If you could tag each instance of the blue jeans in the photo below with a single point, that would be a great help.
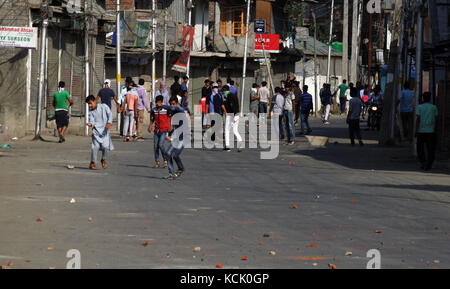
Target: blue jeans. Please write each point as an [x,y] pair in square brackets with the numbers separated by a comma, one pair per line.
[173,152]
[305,116]
[289,121]
[159,141]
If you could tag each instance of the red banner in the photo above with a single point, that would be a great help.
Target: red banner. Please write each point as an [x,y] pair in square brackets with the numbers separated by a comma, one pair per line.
[271,43]
[188,37]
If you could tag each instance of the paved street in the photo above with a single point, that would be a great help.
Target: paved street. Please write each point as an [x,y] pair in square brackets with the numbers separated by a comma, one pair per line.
[311,206]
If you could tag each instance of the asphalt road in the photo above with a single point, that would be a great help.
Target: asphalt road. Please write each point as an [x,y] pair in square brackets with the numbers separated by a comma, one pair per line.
[310,207]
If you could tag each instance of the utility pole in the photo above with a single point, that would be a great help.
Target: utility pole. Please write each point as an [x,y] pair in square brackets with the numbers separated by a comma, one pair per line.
[329,42]
[369,54]
[86,57]
[118,59]
[37,133]
[165,46]
[188,69]
[315,64]
[244,70]
[355,44]
[421,14]
[154,49]
[345,43]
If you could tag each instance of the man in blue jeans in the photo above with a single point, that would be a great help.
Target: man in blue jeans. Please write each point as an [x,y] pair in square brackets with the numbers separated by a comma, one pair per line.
[289,110]
[176,145]
[306,107]
[160,117]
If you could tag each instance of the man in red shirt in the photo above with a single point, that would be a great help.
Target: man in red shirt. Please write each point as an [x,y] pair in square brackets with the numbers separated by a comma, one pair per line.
[159,117]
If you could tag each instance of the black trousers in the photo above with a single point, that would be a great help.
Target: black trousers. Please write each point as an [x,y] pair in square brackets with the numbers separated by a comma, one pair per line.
[407,124]
[426,148]
[354,129]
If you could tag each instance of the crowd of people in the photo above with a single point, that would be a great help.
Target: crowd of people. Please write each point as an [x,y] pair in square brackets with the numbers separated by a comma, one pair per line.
[289,103]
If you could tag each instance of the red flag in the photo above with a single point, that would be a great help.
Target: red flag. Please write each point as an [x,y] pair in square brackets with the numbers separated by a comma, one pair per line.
[182,62]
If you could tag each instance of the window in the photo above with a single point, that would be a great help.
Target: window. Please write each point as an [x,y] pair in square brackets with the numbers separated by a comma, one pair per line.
[224,14]
[238,23]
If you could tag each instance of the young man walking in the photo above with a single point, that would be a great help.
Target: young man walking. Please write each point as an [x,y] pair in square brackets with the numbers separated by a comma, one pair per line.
[426,114]
[342,97]
[176,140]
[353,117]
[159,117]
[106,94]
[406,101]
[100,120]
[129,113]
[231,110]
[60,99]
[306,108]
[326,99]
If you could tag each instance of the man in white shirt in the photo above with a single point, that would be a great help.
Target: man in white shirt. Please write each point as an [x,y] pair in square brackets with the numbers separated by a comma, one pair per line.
[264,96]
[277,109]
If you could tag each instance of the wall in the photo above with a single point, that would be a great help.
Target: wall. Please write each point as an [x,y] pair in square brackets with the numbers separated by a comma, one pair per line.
[13,74]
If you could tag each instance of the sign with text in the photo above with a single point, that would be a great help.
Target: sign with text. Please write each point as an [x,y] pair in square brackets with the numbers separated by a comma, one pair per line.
[271,43]
[19,37]
[260,26]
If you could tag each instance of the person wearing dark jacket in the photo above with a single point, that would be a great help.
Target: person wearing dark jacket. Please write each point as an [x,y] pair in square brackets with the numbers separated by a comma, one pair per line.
[214,104]
[231,109]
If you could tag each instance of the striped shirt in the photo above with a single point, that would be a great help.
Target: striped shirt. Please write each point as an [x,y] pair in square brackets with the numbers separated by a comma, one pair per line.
[306,101]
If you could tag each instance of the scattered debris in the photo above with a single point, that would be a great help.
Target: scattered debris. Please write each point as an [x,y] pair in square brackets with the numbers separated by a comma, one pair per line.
[292,163]
[266,235]
[378,231]
[90,219]
[261,243]
[348,253]
[219,266]
[382,243]
[197,249]
[156,196]
[15,138]
[70,167]
[6,146]
[38,220]
[145,244]
[352,201]
[72,201]
[332,266]
[313,245]
[244,258]
[9,264]
[50,249]
[293,207]
[273,253]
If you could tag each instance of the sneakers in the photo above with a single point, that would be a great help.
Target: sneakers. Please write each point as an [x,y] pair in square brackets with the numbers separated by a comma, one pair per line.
[165,164]
[179,172]
[171,177]
[326,123]
[157,165]
[226,149]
